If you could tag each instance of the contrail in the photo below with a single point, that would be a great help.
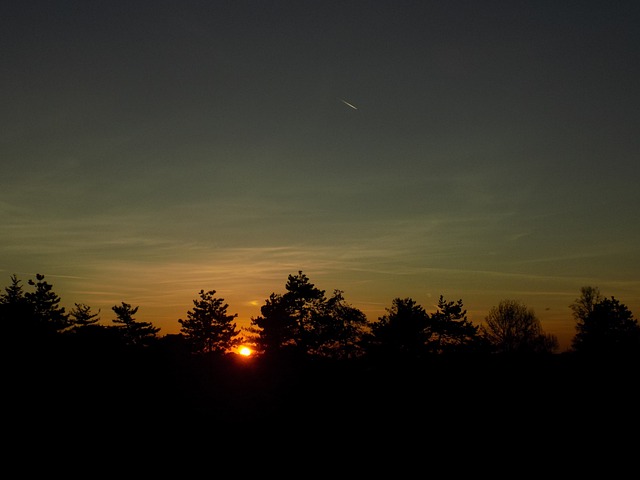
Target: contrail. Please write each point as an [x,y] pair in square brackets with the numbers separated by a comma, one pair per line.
[348,104]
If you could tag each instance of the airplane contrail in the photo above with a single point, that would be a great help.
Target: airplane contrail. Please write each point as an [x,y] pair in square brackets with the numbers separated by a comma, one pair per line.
[348,104]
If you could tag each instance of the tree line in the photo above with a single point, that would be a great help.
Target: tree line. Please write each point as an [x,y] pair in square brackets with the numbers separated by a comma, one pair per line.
[305,322]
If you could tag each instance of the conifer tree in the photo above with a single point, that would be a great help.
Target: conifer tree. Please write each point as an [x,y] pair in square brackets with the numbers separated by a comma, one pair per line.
[208,327]
[47,315]
[81,316]
[608,328]
[134,333]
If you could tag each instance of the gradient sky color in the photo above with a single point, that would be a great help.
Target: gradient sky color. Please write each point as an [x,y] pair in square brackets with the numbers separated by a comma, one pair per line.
[151,149]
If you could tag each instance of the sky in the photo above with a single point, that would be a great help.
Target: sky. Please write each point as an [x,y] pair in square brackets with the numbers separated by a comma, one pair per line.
[480,151]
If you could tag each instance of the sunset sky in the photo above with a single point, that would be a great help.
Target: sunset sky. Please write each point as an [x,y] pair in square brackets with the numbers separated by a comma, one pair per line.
[477,150]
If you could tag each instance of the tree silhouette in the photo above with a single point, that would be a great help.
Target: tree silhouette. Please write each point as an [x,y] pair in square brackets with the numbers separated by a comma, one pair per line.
[43,317]
[287,320]
[607,328]
[81,316]
[338,329]
[403,331]
[584,304]
[303,321]
[273,330]
[14,293]
[14,308]
[303,300]
[350,360]
[87,334]
[511,327]
[208,328]
[134,333]
[451,331]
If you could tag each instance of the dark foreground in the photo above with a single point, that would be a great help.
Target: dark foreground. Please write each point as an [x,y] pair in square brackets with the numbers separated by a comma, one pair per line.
[87,415]
[550,392]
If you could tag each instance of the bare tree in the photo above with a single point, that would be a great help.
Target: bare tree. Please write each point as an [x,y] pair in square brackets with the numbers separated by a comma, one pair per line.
[583,305]
[512,327]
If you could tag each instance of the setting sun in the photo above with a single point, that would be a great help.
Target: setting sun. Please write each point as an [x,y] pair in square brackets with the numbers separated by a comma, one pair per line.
[244,351]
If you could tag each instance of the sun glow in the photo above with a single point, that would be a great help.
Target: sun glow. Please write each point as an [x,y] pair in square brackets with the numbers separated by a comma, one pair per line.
[245,351]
